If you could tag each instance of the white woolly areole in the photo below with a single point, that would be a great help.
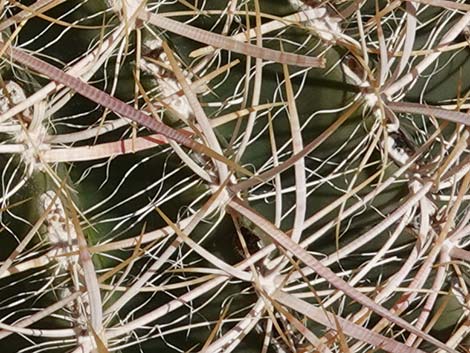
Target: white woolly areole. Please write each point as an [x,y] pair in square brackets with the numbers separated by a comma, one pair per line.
[397,153]
[167,85]
[326,26]
[15,95]
[60,230]
[126,8]
[33,141]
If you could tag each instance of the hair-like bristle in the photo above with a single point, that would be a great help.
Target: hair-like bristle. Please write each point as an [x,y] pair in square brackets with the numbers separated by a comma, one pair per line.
[234,176]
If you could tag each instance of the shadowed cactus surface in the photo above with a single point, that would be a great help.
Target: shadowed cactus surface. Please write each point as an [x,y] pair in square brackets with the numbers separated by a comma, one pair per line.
[234,176]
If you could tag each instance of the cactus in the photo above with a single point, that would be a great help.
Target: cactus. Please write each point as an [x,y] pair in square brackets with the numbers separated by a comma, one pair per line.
[228,176]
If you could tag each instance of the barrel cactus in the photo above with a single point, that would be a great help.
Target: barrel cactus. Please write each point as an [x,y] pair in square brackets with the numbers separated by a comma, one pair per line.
[234,176]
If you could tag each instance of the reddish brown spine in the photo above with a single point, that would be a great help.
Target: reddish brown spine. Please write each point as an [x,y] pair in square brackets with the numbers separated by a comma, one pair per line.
[100,97]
